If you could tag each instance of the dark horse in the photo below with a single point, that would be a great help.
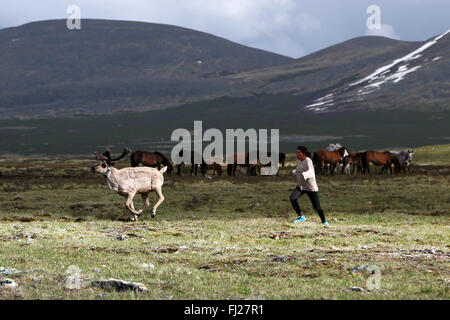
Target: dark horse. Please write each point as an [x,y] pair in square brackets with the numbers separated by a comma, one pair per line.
[333,158]
[251,168]
[281,160]
[354,159]
[150,159]
[217,169]
[402,160]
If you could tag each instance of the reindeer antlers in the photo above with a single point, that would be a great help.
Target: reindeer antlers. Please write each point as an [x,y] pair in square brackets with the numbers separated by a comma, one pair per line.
[123,155]
[106,156]
[99,157]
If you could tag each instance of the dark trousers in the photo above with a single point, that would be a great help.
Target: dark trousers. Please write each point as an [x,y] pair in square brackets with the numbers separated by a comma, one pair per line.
[313,197]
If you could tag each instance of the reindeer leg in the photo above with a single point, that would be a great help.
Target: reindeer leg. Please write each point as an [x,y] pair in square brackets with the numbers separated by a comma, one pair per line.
[130,206]
[161,199]
[146,200]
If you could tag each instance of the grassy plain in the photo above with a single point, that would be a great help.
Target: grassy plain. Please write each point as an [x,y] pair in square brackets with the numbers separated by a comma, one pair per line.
[228,238]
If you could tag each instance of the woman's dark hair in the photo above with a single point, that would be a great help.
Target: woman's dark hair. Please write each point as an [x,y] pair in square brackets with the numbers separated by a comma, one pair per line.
[304,150]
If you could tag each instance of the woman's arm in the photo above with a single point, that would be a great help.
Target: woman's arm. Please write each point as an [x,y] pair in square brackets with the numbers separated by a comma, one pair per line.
[309,172]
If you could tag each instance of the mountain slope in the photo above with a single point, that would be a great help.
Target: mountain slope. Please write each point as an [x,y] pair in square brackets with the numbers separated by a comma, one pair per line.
[111,67]
[351,55]
[107,66]
[343,77]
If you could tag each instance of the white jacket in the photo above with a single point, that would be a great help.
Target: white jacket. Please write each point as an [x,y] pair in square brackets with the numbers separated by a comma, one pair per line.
[306,176]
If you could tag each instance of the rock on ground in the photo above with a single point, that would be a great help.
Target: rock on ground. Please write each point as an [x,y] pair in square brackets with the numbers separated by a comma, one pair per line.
[6,271]
[119,285]
[8,284]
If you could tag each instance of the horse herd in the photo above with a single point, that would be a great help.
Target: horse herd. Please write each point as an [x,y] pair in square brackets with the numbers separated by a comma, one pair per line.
[157,160]
[352,162]
[326,161]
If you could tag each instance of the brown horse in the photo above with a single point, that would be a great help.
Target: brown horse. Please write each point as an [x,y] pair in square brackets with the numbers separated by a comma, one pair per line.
[385,159]
[217,169]
[150,159]
[394,161]
[333,158]
[251,168]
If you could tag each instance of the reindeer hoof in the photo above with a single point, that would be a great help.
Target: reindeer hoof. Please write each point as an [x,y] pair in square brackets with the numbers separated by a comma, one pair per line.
[153,214]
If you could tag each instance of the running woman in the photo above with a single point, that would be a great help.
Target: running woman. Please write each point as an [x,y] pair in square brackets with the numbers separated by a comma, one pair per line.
[306,179]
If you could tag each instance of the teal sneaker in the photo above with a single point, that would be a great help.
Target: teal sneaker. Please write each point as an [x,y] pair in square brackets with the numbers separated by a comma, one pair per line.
[300,220]
[326,224]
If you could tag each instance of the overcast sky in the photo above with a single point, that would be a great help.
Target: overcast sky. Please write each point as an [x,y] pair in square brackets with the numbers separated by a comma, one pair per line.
[290,27]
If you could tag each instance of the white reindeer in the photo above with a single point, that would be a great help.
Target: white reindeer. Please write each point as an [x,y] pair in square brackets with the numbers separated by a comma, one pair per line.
[131,181]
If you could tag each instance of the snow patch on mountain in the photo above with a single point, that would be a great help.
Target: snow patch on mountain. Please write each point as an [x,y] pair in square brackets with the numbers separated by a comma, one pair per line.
[322,104]
[409,57]
[393,72]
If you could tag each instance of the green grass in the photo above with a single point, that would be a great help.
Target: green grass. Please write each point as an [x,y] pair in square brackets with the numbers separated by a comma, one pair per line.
[223,237]
[433,155]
